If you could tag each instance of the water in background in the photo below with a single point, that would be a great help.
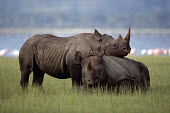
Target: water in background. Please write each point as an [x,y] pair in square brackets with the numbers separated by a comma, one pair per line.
[14,41]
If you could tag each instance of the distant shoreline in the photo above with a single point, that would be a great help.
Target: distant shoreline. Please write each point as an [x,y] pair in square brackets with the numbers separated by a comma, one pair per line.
[83,30]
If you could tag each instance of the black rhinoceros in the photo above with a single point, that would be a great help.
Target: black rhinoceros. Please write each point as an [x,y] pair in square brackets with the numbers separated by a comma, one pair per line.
[55,55]
[113,72]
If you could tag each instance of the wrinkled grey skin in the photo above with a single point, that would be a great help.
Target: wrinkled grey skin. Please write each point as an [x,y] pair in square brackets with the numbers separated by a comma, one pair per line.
[114,72]
[56,56]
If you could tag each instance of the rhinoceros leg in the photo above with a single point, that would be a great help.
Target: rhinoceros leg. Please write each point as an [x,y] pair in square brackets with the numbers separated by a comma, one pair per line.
[124,86]
[38,77]
[75,72]
[24,78]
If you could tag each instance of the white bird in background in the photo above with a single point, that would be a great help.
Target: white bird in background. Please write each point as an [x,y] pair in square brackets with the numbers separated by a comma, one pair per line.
[3,52]
[15,53]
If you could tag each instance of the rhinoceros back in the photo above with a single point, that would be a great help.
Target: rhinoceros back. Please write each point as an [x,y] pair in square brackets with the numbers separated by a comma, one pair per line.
[47,51]
[125,67]
[115,71]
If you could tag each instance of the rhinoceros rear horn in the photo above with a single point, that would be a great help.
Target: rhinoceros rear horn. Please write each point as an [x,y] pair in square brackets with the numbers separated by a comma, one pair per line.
[127,38]
[120,37]
[96,33]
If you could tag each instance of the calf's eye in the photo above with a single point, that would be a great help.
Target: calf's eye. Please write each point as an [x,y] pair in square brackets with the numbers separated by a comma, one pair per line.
[114,45]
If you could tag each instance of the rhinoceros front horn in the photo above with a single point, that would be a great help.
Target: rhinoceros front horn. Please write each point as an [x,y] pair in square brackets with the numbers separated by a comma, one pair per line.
[127,38]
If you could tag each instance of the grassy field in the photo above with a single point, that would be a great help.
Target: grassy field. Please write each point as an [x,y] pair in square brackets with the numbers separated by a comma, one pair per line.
[60,97]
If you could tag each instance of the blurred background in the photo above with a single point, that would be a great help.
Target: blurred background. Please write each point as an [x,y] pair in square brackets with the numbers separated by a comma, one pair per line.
[149,21]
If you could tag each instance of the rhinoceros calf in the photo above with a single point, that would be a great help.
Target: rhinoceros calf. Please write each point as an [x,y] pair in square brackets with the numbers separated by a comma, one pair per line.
[55,55]
[113,72]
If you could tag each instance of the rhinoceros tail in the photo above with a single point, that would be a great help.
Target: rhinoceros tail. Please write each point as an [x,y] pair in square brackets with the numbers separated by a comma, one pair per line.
[26,60]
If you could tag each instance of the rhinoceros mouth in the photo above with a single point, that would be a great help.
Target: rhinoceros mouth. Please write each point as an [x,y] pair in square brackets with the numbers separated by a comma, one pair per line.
[91,83]
[126,51]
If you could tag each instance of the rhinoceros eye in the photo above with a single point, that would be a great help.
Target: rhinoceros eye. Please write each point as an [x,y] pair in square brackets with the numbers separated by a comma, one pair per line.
[114,45]
[100,40]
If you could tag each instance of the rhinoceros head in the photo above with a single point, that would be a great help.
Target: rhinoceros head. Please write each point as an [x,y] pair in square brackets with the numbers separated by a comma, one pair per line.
[119,47]
[92,68]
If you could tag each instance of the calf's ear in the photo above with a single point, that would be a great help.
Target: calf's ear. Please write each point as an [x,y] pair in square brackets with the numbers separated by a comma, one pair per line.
[96,52]
[90,67]
[78,57]
[102,53]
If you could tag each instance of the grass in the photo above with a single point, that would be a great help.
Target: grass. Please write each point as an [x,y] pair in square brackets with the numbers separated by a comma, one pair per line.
[60,97]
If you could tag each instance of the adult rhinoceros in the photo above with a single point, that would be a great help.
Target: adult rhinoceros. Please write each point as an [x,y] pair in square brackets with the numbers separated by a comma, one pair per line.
[55,55]
[113,72]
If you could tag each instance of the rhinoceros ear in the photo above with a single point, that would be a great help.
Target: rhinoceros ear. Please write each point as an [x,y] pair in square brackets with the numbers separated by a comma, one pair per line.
[127,38]
[78,57]
[96,33]
[120,37]
[96,52]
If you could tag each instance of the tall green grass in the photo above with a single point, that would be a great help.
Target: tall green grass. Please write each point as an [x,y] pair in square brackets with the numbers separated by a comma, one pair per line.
[60,97]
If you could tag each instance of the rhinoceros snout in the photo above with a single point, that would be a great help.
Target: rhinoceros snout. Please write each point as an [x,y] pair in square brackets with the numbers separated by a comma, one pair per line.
[126,50]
